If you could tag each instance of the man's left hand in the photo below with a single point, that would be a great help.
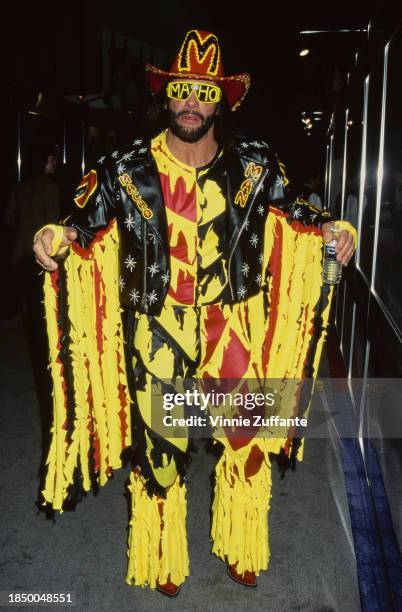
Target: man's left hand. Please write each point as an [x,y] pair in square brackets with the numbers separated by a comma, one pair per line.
[345,246]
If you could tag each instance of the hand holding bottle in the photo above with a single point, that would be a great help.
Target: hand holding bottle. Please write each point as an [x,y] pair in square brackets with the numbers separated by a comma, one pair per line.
[339,248]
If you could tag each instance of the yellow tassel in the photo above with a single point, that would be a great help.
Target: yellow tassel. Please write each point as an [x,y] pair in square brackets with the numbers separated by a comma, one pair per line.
[101,373]
[147,539]
[240,514]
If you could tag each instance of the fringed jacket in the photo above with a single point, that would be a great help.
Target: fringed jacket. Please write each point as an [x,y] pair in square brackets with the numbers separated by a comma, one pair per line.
[126,186]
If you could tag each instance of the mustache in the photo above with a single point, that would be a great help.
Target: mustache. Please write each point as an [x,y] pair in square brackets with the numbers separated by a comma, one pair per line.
[189,113]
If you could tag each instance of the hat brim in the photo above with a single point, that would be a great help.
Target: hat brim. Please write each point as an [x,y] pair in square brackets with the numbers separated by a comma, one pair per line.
[234,87]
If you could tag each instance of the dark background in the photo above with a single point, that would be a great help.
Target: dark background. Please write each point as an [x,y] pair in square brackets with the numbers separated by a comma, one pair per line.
[77,68]
[57,49]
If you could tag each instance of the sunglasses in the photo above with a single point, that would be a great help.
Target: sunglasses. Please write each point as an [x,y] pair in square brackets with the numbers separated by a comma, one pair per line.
[182,90]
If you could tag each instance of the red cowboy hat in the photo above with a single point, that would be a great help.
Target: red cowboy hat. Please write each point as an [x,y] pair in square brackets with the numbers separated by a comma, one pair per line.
[200,58]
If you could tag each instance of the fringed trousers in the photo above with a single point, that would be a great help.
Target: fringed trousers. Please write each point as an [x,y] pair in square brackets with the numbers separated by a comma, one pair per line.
[157,546]
[211,342]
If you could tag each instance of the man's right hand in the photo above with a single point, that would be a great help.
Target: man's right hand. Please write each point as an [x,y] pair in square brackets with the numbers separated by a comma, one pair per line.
[43,246]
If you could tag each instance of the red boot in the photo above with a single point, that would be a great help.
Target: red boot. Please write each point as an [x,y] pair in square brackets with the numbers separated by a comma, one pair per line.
[169,588]
[247,579]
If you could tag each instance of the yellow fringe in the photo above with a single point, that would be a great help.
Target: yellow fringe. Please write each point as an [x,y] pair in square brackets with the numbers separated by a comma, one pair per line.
[300,285]
[145,566]
[102,374]
[239,527]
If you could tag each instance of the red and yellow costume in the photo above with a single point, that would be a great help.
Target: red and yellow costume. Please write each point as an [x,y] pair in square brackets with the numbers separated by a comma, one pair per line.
[211,340]
[199,332]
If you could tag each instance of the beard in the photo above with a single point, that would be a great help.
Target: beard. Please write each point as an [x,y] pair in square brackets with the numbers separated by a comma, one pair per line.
[190,134]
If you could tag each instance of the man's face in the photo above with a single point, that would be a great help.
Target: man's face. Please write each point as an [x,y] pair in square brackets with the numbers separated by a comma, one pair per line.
[50,166]
[190,119]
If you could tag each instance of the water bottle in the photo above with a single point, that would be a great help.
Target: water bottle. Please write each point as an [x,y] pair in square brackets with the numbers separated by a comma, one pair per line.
[331,268]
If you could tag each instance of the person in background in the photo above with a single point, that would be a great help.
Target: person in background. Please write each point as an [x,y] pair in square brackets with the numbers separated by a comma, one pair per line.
[33,203]
[310,190]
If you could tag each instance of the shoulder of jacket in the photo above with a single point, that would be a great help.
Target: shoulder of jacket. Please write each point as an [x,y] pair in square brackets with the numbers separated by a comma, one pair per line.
[253,148]
[136,152]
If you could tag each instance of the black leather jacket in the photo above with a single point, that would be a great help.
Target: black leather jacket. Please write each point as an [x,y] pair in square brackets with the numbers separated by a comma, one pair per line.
[127,187]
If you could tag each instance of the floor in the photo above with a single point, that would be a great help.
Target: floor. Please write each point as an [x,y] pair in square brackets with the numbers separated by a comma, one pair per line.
[312,565]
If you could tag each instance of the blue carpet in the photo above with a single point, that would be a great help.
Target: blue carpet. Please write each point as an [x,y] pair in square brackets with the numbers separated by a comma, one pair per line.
[374,592]
[391,554]
[378,559]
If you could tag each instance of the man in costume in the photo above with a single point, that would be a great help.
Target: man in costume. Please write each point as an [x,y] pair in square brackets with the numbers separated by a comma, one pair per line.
[218,276]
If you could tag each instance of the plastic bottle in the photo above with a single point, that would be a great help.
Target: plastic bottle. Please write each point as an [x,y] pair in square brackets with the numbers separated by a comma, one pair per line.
[331,267]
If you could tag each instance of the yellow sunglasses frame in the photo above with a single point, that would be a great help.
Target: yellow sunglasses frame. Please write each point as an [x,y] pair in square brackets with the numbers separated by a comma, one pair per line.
[193,88]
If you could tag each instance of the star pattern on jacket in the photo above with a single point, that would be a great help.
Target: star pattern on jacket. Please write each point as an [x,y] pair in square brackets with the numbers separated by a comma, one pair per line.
[126,157]
[152,297]
[135,296]
[153,269]
[130,263]
[245,269]
[254,240]
[129,222]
